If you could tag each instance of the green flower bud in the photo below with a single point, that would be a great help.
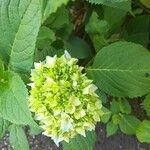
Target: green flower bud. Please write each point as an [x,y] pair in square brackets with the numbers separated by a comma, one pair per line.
[63,99]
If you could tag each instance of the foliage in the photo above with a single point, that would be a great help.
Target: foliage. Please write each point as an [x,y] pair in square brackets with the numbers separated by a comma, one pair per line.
[110,39]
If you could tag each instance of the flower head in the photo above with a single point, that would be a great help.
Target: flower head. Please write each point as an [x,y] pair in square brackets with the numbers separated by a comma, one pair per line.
[63,99]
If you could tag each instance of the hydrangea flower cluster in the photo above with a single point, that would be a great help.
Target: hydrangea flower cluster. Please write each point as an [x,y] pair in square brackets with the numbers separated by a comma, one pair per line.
[63,99]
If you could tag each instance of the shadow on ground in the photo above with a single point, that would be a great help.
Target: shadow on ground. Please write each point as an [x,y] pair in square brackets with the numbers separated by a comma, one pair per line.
[117,142]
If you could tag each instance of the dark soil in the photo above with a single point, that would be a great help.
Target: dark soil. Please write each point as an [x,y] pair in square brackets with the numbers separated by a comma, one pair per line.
[116,142]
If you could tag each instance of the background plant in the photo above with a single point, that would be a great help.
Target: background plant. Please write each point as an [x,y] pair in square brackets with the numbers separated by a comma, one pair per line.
[111,38]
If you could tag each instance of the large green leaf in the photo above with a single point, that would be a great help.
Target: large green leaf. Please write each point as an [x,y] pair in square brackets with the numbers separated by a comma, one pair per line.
[143,132]
[18,138]
[121,4]
[13,100]
[19,26]
[80,142]
[129,124]
[51,6]
[122,69]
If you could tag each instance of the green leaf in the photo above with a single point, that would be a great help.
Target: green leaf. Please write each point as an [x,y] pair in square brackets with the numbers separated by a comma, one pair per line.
[18,31]
[146,3]
[51,6]
[143,132]
[57,21]
[18,138]
[138,30]
[3,126]
[116,118]
[110,15]
[13,100]
[102,96]
[80,142]
[106,116]
[1,69]
[114,108]
[97,30]
[97,26]
[121,4]
[35,131]
[124,106]
[45,37]
[111,128]
[146,104]
[129,124]
[40,55]
[122,69]
[77,48]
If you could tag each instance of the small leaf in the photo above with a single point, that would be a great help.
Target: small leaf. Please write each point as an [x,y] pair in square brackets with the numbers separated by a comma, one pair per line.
[59,21]
[111,128]
[110,15]
[51,6]
[114,107]
[78,48]
[80,142]
[146,104]
[143,132]
[106,116]
[138,30]
[45,37]
[122,69]
[146,3]
[1,69]
[3,127]
[116,119]
[35,131]
[129,124]
[124,106]
[97,30]
[18,138]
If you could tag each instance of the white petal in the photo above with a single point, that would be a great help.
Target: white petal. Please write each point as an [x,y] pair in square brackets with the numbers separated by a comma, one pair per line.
[81,131]
[77,102]
[90,89]
[57,140]
[93,88]
[66,125]
[50,60]
[48,79]
[82,113]
[37,65]
[67,55]
[31,84]
[75,83]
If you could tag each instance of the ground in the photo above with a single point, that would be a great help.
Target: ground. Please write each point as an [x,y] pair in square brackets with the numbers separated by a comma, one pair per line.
[116,142]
